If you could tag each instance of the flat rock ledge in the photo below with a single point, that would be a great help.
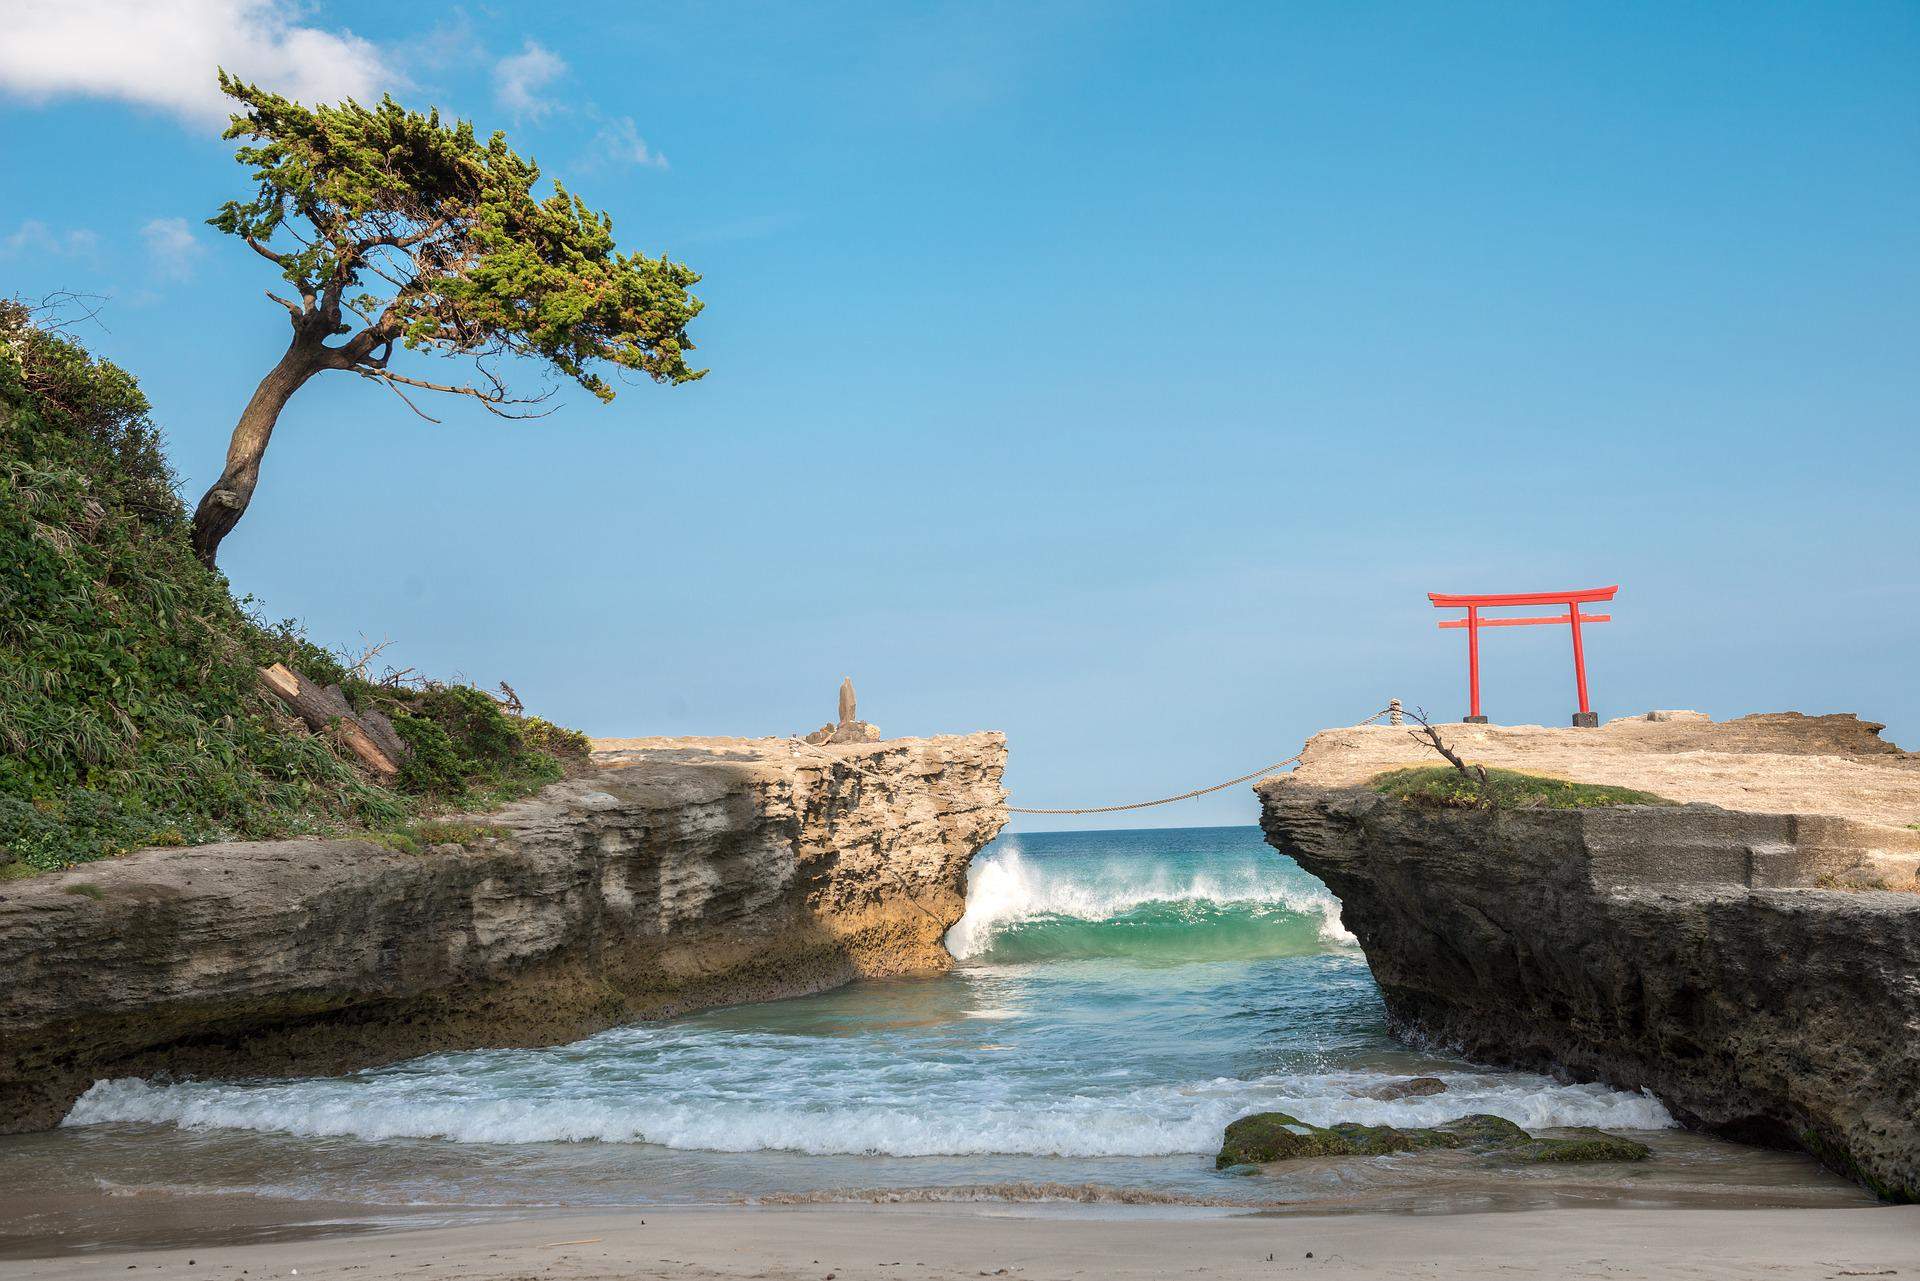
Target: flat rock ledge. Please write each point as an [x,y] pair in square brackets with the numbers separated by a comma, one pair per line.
[1767,763]
[683,873]
[1674,949]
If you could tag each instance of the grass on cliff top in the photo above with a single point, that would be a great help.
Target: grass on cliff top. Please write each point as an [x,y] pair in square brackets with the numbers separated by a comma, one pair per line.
[1444,787]
[131,712]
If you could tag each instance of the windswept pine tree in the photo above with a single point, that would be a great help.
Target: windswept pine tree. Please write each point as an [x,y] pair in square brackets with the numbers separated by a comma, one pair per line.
[395,231]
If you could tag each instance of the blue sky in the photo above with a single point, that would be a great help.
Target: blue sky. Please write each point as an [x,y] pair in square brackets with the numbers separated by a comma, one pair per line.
[1118,376]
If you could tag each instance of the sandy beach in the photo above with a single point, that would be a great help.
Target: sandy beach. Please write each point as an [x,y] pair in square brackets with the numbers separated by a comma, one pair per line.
[849,1243]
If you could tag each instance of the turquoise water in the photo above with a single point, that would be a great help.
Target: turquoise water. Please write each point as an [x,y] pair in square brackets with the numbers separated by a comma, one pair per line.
[1117,999]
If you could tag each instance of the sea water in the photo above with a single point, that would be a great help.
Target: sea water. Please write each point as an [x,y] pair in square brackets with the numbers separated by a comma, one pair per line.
[1117,999]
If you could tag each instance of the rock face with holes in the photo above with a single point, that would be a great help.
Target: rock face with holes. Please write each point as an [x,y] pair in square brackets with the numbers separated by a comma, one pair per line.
[1681,950]
[682,873]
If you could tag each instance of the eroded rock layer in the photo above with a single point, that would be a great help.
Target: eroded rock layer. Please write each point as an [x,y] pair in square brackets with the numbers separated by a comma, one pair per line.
[1672,949]
[684,873]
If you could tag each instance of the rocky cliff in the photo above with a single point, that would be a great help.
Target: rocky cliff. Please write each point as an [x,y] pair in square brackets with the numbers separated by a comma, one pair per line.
[1771,763]
[1677,949]
[682,873]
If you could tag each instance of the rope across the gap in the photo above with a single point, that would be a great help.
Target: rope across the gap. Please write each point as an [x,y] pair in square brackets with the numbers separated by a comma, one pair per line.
[1105,809]
[1165,800]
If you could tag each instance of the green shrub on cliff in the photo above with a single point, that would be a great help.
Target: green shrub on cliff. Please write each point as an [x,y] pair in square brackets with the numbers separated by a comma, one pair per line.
[130,707]
[1445,787]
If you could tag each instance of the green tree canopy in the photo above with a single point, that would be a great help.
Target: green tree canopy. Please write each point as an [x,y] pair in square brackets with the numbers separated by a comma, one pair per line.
[396,230]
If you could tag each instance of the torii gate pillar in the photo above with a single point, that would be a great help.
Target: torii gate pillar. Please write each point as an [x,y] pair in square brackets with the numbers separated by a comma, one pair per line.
[1586,717]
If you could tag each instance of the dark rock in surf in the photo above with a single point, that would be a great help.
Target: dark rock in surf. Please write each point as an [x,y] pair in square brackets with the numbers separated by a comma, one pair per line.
[1266,1137]
[1412,1088]
[1583,1143]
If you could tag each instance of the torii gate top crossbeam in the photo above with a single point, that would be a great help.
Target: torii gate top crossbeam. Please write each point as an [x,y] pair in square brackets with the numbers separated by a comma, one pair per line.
[1443,600]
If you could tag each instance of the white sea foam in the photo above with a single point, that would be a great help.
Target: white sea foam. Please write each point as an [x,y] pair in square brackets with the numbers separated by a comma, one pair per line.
[1005,890]
[970,1116]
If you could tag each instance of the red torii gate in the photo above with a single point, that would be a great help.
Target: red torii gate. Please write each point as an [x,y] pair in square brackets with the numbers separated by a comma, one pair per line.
[1573,618]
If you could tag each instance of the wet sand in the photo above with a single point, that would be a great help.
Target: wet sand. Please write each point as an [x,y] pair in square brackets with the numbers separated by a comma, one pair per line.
[1032,1243]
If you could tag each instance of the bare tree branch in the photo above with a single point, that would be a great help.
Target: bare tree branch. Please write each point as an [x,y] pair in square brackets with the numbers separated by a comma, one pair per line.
[394,241]
[369,651]
[404,398]
[373,265]
[58,312]
[276,259]
[492,401]
[1430,737]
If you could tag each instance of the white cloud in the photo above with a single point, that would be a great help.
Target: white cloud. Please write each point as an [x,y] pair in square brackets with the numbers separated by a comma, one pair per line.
[620,141]
[163,53]
[448,45]
[35,237]
[519,78]
[171,249]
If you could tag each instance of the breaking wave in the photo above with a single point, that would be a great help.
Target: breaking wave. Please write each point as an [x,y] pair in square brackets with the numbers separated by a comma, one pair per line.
[1022,911]
[555,1097]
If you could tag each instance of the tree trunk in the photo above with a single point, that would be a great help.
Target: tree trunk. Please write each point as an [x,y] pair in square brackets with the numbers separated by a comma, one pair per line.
[324,709]
[222,506]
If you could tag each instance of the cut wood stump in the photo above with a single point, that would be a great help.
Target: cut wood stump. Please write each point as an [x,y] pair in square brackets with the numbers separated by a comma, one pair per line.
[368,735]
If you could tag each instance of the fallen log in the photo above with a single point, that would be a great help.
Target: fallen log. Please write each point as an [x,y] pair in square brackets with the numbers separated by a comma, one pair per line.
[325,709]
[379,729]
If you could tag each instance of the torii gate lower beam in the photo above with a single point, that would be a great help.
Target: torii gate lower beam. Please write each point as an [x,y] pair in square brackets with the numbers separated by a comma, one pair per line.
[1573,618]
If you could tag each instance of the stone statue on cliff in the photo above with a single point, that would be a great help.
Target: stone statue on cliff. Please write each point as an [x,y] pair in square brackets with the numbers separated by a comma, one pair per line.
[850,728]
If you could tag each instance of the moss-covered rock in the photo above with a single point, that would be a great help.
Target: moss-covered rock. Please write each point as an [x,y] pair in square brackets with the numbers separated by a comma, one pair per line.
[1482,1130]
[1371,1140]
[1277,1136]
[1582,1143]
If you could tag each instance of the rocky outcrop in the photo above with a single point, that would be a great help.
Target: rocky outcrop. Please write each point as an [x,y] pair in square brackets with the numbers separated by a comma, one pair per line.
[849,728]
[683,873]
[1772,763]
[1673,949]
